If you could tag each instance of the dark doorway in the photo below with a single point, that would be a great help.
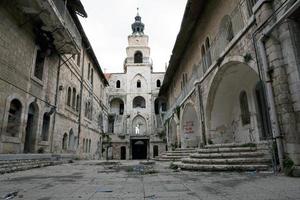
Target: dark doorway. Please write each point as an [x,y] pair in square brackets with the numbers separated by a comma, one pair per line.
[123,153]
[139,149]
[263,117]
[32,119]
[155,151]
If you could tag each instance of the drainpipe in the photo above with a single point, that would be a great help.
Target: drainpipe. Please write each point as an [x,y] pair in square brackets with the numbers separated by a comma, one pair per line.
[270,97]
[268,81]
[81,96]
[55,103]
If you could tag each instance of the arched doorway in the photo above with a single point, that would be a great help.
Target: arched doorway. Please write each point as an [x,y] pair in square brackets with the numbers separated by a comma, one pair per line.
[230,97]
[123,153]
[173,133]
[139,149]
[139,125]
[190,127]
[155,151]
[31,128]
[71,145]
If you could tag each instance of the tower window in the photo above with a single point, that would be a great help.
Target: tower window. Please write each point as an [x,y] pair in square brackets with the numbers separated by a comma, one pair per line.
[138,84]
[138,57]
[118,84]
[158,83]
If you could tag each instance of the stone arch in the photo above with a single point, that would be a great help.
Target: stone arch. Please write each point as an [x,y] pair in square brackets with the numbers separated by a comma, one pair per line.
[71,142]
[139,102]
[14,118]
[223,123]
[64,142]
[173,132]
[117,106]
[138,79]
[190,126]
[139,125]
[31,128]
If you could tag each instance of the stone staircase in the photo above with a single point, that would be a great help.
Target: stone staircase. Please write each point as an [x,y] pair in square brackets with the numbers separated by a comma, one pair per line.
[176,155]
[228,157]
[20,162]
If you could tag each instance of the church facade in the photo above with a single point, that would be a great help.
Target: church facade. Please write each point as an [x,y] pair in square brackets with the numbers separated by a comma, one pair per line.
[135,129]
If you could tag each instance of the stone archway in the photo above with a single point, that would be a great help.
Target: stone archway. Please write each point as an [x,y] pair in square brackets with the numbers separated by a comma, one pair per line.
[223,110]
[31,128]
[139,125]
[173,133]
[190,127]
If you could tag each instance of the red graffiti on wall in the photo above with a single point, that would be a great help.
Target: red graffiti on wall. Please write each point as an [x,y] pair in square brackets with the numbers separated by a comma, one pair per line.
[188,127]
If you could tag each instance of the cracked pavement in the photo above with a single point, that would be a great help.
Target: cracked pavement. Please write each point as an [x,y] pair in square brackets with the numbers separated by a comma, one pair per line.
[93,180]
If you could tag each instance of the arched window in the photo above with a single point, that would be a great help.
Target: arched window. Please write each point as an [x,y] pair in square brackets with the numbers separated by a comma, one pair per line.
[118,84]
[14,118]
[69,96]
[208,53]
[138,57]
[158,83]
[92,76]
[74,98]
[45,127]
[203,56]
[245,113]
[139,102]
[77,102]
[138,84]
[90,145]
[71,140]
[65,142]
[226,28]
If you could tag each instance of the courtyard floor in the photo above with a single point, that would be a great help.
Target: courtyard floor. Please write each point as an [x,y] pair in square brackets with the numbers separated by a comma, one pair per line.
[128,180]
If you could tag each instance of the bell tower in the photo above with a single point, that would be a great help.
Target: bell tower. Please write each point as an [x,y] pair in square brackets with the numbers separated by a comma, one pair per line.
[138,52]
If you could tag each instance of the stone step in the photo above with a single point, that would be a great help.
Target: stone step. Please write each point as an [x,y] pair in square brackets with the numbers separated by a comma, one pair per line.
[227,155]
[227,145]
[229,161]
[168,159]
[29,165]
[227,149]
[196,167]
[177,154]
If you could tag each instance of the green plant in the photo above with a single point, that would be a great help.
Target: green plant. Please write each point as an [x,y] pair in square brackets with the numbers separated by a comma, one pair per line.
[247,57]
[288,166]
[173,166]
[249,145]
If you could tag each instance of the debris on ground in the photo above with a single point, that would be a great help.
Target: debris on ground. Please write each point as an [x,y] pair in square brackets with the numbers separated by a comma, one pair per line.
[10,195]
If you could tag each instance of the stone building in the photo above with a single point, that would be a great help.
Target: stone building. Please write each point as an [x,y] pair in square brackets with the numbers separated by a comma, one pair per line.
[234,76]
[52,87]
[135,111]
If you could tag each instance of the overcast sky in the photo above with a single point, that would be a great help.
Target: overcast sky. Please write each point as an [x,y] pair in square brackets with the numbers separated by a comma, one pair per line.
[109,23]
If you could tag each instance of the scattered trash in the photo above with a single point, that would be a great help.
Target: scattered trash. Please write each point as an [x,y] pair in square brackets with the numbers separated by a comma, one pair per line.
[150,197]
[10,195]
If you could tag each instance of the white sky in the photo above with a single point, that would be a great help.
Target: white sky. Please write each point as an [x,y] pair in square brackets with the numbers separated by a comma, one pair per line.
[109,23]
